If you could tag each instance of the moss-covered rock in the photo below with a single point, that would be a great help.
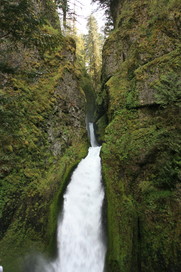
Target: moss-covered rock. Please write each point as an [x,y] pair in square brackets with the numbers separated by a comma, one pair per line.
[42,137]
[141,149]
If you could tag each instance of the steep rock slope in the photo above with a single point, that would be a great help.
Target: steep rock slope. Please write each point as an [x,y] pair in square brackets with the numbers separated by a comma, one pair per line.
[42,131]
[141,150]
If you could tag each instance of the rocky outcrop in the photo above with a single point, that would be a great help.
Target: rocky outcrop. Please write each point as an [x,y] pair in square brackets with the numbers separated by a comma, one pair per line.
[140,154]
[42,134]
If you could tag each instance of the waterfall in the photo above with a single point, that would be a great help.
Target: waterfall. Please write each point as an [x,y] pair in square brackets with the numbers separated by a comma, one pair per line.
[80,243]
[92,135]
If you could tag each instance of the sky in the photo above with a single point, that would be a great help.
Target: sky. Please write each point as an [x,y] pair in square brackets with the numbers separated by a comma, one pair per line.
[84,8]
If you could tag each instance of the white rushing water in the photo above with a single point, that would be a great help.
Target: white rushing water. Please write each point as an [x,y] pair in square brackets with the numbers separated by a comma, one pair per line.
[80,242]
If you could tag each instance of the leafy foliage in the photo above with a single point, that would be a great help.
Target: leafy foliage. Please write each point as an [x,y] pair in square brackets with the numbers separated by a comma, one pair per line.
[20,22]
[105,3]
[64,6]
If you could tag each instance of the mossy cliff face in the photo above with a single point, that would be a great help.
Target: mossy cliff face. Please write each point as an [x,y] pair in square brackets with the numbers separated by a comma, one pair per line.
[141,149]
[42,137]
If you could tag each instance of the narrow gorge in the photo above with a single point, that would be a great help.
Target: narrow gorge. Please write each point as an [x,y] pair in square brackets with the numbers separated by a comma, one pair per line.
[45,84]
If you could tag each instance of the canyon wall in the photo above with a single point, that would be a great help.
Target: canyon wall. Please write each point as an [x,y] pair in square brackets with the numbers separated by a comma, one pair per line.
[42,134]
[141,91]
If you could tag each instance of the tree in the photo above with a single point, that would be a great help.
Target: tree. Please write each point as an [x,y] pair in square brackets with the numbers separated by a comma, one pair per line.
[107,5]
[93,48]
[80,49]
[104,3]
[68,14]
[64,6]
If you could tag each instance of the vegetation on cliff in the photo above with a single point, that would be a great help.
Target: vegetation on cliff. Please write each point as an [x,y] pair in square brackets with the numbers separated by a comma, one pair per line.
[141,151]
[42,132]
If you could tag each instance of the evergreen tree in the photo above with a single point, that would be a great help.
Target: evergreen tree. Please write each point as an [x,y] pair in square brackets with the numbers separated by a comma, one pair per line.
[64,6]
[68,15]
[107,6]
[80,50]
[103,2]
[93,48]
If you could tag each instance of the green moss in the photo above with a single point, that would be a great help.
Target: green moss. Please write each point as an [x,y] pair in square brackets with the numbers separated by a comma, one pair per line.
[140,169]
[159,230]
[33,176]
[65,174]
[117,88]
[140,153]
[35,222]
[100,127]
